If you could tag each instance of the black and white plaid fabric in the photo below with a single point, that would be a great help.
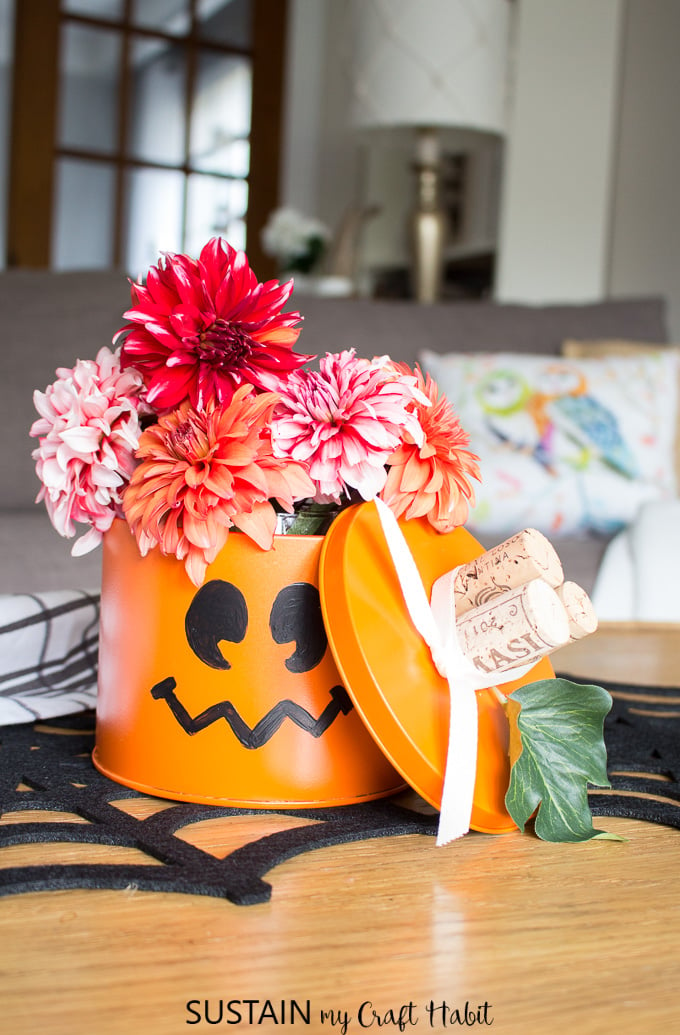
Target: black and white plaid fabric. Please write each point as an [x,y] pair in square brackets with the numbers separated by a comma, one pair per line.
[48,654]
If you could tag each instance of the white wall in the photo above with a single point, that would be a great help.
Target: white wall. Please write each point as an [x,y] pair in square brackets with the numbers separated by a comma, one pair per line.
[303,105]
[645,237]
[555,208]
[589,205]
[322,159]
[592,161]
[329,169]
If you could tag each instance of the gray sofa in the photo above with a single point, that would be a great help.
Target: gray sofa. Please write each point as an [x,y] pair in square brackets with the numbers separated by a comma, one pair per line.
[51,319]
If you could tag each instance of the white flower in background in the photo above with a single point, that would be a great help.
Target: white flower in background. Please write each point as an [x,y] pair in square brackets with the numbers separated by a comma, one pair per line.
[298,242]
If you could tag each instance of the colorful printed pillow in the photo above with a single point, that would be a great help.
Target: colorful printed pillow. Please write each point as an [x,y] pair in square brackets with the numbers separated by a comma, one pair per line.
[618,347]
[565,445]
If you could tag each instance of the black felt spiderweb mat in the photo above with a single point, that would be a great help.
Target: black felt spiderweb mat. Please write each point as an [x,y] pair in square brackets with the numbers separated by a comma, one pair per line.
[49,768]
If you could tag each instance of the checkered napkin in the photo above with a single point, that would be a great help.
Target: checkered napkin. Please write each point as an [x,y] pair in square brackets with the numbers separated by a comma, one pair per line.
[48,654]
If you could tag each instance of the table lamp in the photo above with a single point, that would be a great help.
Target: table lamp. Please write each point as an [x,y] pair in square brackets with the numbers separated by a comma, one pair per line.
[437,70]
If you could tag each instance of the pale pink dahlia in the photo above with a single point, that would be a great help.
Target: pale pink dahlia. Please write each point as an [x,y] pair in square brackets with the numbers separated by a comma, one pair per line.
[200,328]
[203,472]
[430,476]
[89,430]
[344,422]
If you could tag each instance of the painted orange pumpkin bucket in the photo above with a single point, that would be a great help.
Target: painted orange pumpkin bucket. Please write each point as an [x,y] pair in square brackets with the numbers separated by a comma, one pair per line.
[227,694]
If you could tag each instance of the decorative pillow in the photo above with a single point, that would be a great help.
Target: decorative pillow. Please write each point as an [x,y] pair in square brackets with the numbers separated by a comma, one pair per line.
[622,347]
[565,445]
[48,654]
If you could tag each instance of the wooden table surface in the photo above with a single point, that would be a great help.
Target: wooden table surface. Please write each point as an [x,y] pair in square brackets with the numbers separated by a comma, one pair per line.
[533,938]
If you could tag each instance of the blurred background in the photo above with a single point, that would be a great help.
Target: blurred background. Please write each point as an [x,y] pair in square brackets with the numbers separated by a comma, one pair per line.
[537,139]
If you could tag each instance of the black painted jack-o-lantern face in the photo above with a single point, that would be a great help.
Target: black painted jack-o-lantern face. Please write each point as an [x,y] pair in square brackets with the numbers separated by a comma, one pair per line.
[219,613]
[191,681]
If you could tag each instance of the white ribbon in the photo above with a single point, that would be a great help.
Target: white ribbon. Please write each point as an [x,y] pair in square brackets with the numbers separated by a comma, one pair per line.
[435,620]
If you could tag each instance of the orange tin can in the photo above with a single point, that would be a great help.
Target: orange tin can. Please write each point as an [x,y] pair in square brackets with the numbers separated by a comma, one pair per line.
[227,694]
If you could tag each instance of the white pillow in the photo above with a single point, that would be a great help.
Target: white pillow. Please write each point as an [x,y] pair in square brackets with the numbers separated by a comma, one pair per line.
[565,445]
[48,654]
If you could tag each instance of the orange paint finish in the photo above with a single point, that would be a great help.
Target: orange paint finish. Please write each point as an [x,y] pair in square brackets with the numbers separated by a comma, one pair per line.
[388,668]
[165,710]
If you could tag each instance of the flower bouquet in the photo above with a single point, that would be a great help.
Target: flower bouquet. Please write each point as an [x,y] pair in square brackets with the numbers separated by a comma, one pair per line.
[221,470]
[205,420]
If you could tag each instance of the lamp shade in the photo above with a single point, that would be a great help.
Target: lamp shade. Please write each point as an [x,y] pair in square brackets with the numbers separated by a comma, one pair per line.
[436,63]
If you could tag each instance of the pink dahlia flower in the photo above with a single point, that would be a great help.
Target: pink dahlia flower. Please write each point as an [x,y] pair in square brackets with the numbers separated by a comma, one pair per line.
[430,477]
[89,430]
[200,328]
[344,422]
[203,472]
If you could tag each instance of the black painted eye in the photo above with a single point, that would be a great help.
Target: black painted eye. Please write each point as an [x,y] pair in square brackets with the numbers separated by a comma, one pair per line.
[217,612]
[296,616]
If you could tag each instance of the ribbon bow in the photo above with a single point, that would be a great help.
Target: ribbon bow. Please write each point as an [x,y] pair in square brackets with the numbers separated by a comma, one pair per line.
[435,621]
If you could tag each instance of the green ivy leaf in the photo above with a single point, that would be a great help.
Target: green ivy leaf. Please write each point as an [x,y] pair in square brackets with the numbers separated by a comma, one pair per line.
[556,749]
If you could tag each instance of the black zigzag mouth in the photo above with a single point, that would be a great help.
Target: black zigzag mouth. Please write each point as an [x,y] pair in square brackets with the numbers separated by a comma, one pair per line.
[264,730]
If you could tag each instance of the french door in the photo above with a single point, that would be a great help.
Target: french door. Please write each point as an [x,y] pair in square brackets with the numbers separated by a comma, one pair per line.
[141,126]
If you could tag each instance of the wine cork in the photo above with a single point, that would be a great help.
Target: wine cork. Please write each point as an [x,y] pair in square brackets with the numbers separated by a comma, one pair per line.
[579,608]
[518,628]
[520,559]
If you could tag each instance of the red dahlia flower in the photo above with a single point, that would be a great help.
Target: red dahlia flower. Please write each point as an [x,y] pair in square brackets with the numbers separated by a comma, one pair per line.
[200,328]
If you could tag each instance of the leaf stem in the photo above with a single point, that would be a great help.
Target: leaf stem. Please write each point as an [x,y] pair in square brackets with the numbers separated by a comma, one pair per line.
[501,698]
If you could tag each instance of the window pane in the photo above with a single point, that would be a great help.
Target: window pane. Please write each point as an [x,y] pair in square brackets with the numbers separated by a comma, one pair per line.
[225,21]
[220,121]
[88,89]
[157,106]
[112,9]
[232,158]
[154,200]
[215,208]
[84,207]
[166,15]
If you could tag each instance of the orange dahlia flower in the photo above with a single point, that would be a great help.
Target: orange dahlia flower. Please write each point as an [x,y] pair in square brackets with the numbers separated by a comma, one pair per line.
[202,473]
[432,479]
[200,328]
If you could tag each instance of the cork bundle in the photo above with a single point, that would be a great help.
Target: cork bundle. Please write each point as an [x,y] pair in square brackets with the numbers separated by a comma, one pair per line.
[513,606]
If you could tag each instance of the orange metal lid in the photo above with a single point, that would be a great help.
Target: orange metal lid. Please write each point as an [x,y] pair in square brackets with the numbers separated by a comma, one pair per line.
[387,667]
